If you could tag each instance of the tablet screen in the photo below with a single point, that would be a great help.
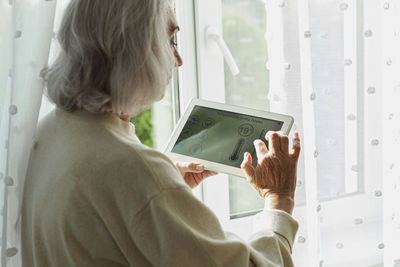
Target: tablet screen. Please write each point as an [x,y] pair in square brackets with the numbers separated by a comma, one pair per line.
[222,136]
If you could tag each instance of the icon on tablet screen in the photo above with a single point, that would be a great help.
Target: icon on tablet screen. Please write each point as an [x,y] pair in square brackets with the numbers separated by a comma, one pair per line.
[196,149]
[193,120]
[186,132]
[208,123]
[246,129]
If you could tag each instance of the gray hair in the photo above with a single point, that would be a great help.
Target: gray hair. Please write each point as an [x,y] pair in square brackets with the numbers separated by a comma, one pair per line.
[115,56]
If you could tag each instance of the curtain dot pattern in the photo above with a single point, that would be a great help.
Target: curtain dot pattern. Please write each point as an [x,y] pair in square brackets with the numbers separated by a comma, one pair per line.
[27,26]
[342,89]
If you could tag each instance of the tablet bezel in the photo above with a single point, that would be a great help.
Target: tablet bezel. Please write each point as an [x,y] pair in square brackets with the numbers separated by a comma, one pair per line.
[214,166]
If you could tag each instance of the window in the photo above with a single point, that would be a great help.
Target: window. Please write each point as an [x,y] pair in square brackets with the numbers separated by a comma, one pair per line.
[342,153]
[244,27]
[155,125]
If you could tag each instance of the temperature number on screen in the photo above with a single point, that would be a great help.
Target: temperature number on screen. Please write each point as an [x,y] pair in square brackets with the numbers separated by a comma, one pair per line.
[246,129]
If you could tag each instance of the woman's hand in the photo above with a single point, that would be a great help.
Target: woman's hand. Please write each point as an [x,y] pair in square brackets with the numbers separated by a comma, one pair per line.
[275,176]
[193,173]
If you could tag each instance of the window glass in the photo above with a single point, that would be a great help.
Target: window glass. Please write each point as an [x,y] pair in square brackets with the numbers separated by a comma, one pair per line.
[244,27]
[340,164]
[154,126]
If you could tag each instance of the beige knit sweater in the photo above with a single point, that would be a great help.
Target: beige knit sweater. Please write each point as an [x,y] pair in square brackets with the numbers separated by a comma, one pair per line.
[96,197]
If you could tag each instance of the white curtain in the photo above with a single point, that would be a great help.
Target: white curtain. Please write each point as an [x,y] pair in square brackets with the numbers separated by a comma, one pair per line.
[390,88]
[26,31]
[335,65]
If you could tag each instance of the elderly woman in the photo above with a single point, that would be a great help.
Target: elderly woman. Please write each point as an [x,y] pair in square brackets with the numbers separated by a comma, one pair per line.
[95,196]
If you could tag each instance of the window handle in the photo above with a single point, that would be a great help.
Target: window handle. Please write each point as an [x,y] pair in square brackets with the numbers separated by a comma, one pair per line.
[214,36]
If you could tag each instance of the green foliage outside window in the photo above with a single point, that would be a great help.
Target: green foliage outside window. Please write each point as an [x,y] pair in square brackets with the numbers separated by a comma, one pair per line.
[144,127]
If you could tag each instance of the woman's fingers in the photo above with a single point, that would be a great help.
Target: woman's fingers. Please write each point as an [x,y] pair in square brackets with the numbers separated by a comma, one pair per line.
[296,146]
[274,142]
[247,166]
[261,149]
[284,143]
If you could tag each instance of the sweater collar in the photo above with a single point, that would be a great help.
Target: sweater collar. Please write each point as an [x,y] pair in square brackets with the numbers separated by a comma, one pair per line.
[109,119]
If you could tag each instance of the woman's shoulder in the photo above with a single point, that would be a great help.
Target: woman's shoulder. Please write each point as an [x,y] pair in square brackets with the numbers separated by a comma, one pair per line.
[104,155]
[123,164]
[158,166]
[131,174]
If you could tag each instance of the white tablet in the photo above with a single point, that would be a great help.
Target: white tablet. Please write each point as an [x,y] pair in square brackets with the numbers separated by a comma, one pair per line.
[217,135]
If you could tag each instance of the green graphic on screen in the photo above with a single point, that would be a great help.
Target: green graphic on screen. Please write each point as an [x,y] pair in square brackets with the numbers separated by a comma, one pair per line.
[222,136]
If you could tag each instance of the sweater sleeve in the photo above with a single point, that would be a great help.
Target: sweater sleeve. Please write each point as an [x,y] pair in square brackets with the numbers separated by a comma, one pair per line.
[176,229]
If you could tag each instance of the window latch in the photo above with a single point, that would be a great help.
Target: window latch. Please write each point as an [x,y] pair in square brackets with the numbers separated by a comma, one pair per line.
[214,36]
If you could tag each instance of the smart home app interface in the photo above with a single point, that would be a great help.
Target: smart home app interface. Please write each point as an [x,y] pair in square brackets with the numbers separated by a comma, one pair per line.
[222,136]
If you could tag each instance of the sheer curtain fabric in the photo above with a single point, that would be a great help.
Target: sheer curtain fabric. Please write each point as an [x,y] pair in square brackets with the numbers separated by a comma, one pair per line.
[334,66]
[26,33]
